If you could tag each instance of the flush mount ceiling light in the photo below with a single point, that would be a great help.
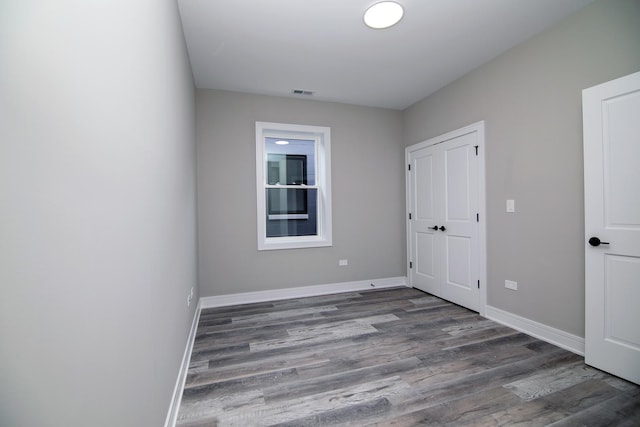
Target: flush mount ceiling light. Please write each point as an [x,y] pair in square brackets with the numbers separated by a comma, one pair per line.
[282,142]
[383,15]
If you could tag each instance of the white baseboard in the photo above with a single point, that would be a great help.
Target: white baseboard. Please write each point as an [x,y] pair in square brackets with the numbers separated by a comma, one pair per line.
[172,414]
[544,332]
[304,291]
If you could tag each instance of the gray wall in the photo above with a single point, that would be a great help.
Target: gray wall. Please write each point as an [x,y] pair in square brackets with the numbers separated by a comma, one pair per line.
[367,187]
[97,211]
[530,98]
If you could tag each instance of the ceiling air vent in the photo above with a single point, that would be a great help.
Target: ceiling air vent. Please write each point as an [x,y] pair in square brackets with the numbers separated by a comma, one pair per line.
[302,92]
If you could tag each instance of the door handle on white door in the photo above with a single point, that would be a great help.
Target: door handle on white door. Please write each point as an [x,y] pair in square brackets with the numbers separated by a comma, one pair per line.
[594,241]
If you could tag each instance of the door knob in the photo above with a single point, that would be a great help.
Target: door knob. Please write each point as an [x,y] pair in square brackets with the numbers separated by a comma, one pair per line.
[443,228]
[434,228]
[594,241]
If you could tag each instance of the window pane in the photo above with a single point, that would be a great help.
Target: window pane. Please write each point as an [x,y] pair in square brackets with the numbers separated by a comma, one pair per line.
[291,212]
[286,169]
[294,161]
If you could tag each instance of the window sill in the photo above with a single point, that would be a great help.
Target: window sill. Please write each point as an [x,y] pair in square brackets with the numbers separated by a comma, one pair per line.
[275,243]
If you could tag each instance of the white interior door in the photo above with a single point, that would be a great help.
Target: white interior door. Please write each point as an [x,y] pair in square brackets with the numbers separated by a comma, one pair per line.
[445,244]
[611,120]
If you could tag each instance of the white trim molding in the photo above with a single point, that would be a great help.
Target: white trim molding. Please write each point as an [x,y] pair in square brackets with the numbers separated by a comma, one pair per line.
[300,292]
[174,407]
[541,331]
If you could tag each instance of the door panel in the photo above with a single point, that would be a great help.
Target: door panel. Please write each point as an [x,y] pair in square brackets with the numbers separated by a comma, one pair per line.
[612,214]
[423,166]
[426,267]
[457,182]
[620,123]
[622,294]
[458,284]
[459,266]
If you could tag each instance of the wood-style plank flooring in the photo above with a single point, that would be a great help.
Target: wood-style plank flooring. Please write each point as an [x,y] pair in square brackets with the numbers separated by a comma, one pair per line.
[386,357]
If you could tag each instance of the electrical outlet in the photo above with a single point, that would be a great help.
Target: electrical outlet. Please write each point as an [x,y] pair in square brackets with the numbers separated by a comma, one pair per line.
[190,297]
[510,284]
[343,262]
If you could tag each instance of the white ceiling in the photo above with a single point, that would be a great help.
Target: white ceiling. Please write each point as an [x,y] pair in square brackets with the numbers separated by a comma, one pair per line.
[274,46]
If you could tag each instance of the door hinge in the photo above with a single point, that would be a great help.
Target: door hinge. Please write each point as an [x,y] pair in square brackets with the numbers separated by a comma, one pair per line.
[409,167]
[476,149]
[410,264]
[409,215]
[478,284]
[477,217]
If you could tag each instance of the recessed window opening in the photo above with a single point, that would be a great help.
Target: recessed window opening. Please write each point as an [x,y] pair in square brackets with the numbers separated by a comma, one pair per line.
[293,186]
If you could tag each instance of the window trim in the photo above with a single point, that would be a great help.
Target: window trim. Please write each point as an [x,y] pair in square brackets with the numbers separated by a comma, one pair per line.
[322,136]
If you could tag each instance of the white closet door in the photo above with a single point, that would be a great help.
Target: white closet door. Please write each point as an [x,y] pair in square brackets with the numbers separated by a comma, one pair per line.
[460,239]
[425,205]
[443,184]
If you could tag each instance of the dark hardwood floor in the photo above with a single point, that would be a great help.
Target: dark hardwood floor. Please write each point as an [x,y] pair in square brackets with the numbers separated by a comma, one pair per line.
[391,357]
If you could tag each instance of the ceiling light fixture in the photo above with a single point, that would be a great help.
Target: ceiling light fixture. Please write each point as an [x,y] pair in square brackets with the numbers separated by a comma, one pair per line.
[383,15]
[282,142]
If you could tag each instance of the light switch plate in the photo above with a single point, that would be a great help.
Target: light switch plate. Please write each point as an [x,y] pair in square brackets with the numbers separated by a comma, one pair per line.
[510,284]
[511,205]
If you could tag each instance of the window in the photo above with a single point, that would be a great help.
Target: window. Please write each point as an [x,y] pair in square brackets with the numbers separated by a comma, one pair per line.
[293,185]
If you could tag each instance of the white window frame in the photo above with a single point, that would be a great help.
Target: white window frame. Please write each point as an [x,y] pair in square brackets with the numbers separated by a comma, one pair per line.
[322,136]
